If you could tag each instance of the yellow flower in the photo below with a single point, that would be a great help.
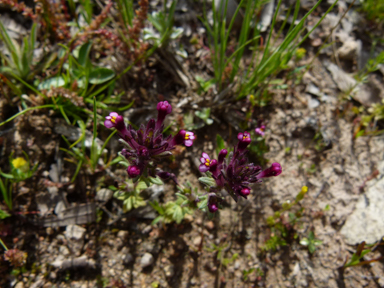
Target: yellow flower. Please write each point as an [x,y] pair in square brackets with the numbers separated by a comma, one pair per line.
[300,53]
[19,162]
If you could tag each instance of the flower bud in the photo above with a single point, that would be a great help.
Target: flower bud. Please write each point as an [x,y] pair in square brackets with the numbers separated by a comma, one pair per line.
[133,171]
[245,192]
[222,154]
[274,170]
[244,140]
[212,207]
[164,109]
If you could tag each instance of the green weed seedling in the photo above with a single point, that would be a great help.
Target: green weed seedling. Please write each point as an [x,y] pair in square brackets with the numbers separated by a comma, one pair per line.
[282,225]
[19,63]
[375,113]
[356,258]
[247,273]
[203,114]
[172,211]
[80,157]
[129,193]
[311,242]
[79,71]
[162,22]
[220,250]
[374,10]
[20,171]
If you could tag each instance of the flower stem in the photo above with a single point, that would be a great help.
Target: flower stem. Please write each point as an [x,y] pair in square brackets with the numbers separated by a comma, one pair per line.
[2,244]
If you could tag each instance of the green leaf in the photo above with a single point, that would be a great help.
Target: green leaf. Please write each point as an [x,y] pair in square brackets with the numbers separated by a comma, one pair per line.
[157,220]
[203,203]
[155,180]
[178,215]
[8,176]
[100,75]
[304,242]
[84,54]
[55,82]
[209,181]
[220,143]
[3,214]
[311,248]
[141,186]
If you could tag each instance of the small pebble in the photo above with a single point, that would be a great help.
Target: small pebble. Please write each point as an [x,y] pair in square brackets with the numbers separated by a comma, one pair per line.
[197,241]
[210,225]
[169,271]
[122,234]
[127,258]
[146,260]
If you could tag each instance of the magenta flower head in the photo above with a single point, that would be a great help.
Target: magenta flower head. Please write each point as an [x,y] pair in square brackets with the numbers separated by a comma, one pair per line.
[164,109]
[222,154]
[245,192]
[212,207]
[212,203]
[260,130]
[133,171]
[205,163]
[147,146]
[272,171]
[184,137]
[115,120]
[244,140]
[188,138]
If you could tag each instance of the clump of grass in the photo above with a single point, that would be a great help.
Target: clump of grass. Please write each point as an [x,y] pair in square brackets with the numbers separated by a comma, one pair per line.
[374,9]
[266,62]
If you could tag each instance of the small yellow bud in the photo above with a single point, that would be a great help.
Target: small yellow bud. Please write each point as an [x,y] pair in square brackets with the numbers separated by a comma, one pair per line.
[19,162]
[300,53]
[304,189]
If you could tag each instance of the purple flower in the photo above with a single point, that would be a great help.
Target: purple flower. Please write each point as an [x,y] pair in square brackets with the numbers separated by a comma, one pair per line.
[188,139]
[212,203]
[244,140]
[245,192]
[145,147]
[274,170]
[235,174]
[212,207]
[222,154]
[206,163]
[115,120]
[260,130]
[133,171]
[164,109]
[184,137]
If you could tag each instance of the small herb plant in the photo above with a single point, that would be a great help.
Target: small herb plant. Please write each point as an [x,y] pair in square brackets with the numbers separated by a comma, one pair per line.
[234,174]
[172,211]
[20,171]
[356,258]
[283,222]
[311,242]
[220,250]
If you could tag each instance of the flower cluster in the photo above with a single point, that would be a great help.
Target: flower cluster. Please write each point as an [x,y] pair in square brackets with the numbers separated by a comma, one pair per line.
[147,146]
[235,175]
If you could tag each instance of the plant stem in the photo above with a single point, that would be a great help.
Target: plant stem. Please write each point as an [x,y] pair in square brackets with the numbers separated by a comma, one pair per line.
[4,246]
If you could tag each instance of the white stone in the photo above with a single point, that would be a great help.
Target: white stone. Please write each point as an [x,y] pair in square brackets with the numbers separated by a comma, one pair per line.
[104,195]
[75,232]
[366,222]
[146,260]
